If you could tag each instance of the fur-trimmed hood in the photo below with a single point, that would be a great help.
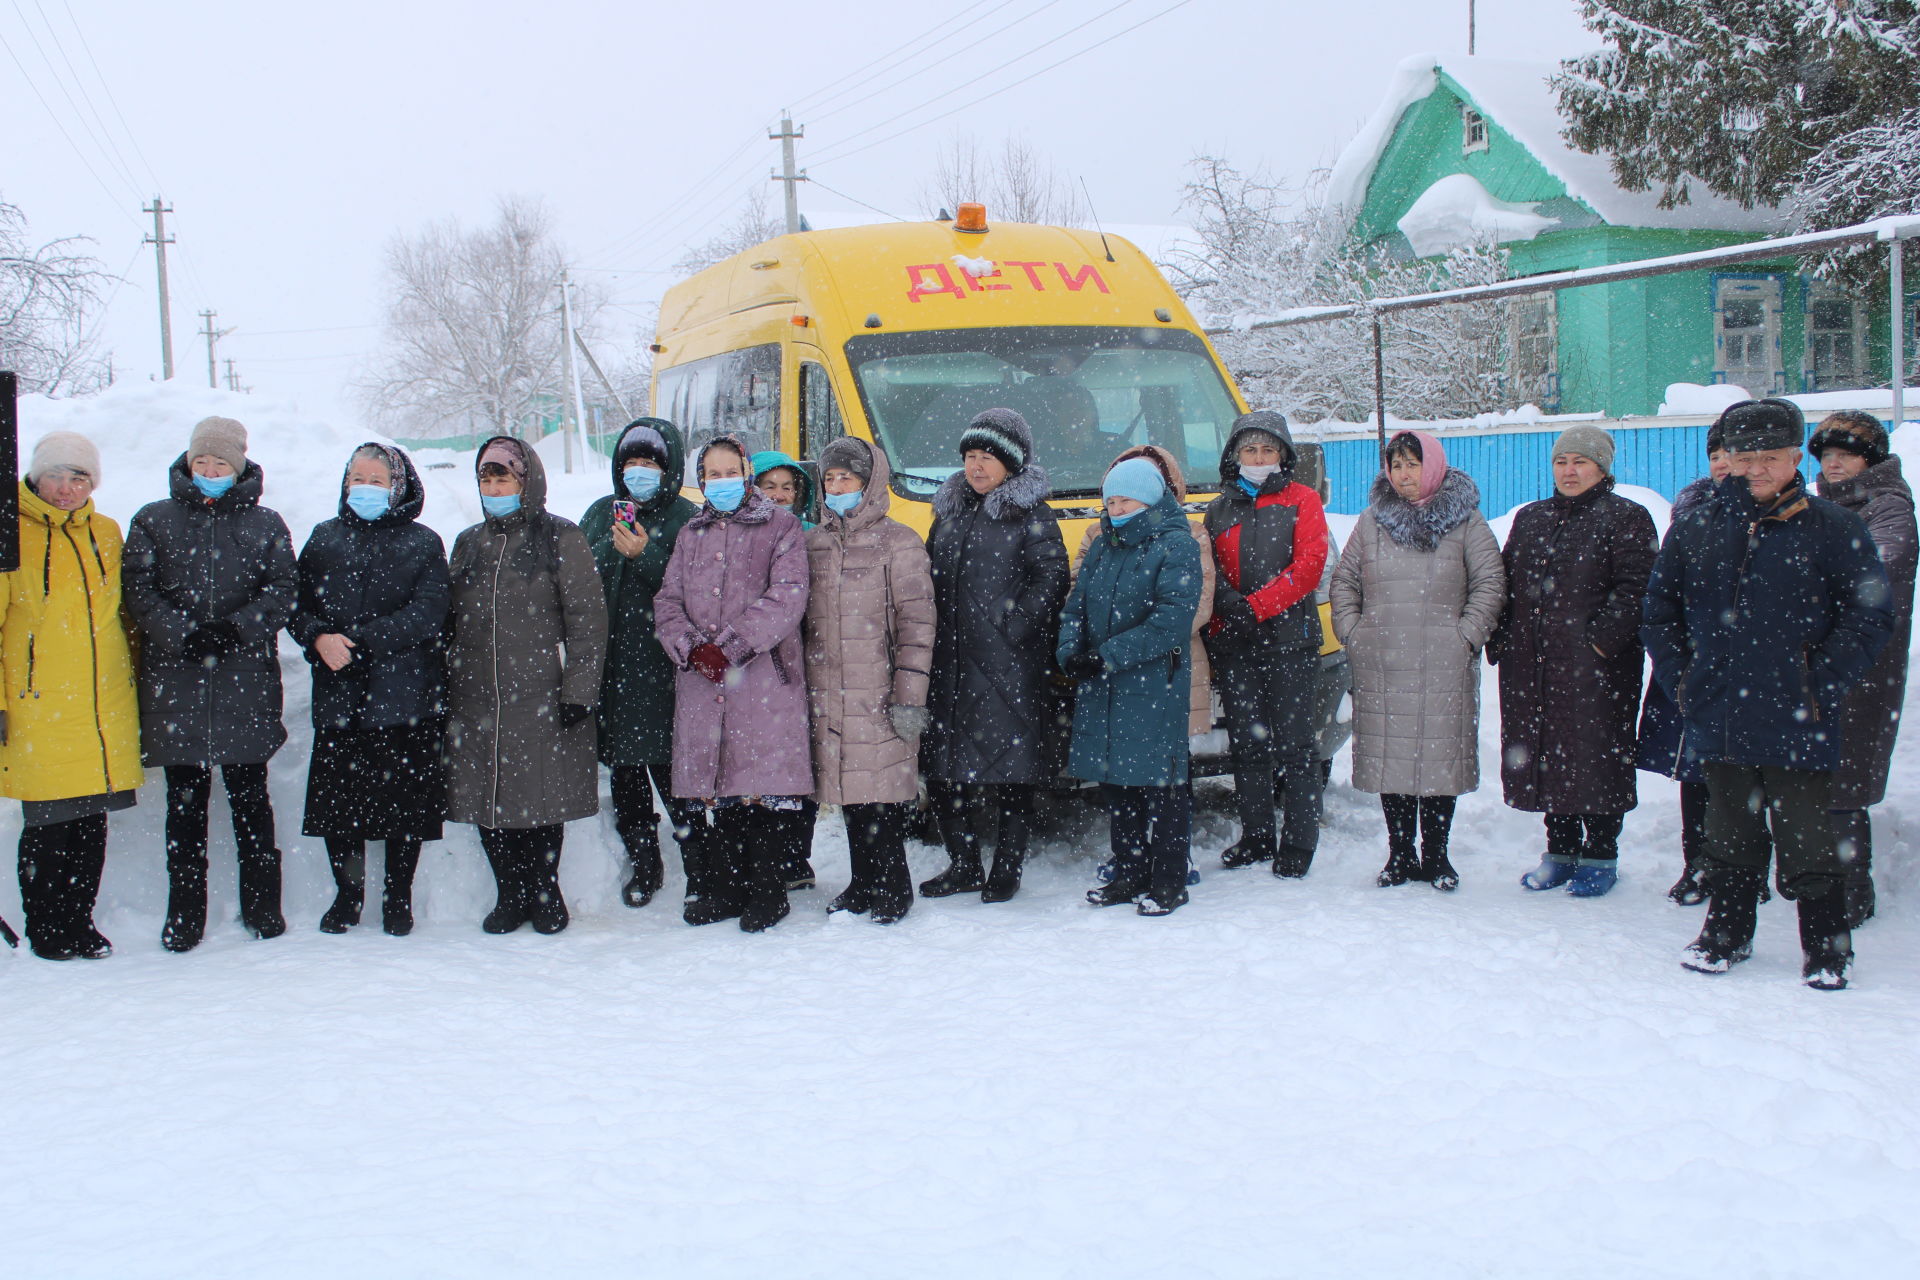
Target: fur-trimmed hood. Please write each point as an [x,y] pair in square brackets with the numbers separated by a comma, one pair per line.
[1422,528]
[1017,494]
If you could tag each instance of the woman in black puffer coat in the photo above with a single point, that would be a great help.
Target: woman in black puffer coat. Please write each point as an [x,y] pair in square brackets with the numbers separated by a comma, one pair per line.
[209,581]
[372,609]
[999,578]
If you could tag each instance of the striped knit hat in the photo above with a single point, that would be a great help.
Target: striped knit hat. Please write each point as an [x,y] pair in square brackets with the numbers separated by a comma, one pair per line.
[1002,433]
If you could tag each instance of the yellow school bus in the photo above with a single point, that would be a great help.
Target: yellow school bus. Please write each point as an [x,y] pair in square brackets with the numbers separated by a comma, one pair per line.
[902,332]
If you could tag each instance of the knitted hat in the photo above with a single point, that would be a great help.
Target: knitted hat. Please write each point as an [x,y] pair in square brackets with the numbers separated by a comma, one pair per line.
[1002,433]
[1589,442]
[64,451]
[641,440]
[1716,438]
[221,438]
[849,453]
[1856,432]
[1755,426]
[1135,478]
[502,452]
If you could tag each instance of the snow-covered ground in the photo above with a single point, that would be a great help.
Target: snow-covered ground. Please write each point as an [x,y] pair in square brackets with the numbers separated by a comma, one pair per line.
[1312,1078]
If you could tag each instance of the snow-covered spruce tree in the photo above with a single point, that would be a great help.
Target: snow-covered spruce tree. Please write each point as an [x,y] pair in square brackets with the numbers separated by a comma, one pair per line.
[1746,98]
[47,294]
[472,339]
[1265,248]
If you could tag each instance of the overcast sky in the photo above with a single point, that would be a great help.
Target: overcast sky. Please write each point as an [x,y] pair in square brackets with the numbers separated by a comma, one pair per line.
[293,141]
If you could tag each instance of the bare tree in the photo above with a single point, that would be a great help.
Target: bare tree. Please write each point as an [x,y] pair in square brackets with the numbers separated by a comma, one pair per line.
[754,224]
[1016,183]
[47,296]
[1266,248]
[472,338]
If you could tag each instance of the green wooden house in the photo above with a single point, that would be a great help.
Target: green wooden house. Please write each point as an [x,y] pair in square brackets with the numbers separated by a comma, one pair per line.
[1469,149]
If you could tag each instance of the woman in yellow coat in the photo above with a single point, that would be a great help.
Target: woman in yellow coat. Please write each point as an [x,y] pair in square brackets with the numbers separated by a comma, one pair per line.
[70,728]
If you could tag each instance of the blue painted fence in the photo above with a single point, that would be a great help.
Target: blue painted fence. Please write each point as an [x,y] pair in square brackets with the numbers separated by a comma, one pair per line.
[1515,466]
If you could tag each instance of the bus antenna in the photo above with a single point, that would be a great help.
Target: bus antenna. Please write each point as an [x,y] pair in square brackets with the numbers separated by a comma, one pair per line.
[1096,218]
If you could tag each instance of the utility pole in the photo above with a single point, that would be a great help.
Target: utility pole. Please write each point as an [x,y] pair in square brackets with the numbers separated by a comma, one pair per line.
[574,408]
[160,240]
[787,173]
[233,379]
[212,335]
[1471,24]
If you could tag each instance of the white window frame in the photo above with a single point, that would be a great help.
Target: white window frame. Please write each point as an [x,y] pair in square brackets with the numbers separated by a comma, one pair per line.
[1541,386]
[1473,129]
[1821,291]
[1768,290]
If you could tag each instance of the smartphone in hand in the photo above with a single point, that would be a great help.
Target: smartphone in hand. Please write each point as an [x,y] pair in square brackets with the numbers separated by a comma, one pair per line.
[626,512]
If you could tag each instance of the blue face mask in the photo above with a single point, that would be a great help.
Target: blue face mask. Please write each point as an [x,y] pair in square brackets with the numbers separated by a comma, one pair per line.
[212,486]
[500,506]
[842,504]
[369,501]
[641,482]
[727,494]
[1117,521]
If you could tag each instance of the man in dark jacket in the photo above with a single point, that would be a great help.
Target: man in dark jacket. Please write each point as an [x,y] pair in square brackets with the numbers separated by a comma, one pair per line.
[1269,535]
[1766,605]
[636,695]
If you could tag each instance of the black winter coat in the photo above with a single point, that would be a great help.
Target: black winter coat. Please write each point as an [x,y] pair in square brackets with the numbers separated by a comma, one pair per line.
[383,585]
[1760,619]
[1659,747]
[1880,497]
[192,560]
[1576,576]
[999,579]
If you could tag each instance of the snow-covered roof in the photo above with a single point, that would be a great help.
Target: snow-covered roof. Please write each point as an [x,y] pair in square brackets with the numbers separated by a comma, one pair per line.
[1515,95]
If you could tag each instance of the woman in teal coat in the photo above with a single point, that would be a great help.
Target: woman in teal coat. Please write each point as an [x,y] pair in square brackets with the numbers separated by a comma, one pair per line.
[632,532]
[1123,639]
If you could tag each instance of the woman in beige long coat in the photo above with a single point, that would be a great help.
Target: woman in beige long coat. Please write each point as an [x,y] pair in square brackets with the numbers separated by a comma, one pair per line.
[869,643]
[527,643]
[1418,591]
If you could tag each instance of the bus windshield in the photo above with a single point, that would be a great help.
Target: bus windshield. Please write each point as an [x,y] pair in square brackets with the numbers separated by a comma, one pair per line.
[1087,392]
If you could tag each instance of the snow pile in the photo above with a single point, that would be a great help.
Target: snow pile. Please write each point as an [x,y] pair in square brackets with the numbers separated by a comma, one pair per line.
[1349,1080]
[1457,211]
[1692,398]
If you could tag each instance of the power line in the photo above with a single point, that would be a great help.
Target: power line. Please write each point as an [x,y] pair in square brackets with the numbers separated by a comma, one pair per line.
[974,80]
[967,106]
[111,100]
[54,116]
[973,45]
[104,138]
[862,203]
[960,15]
[626,240]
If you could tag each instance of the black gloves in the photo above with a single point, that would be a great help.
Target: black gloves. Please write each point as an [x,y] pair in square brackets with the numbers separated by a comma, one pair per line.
[211,641]
[572,713]
[1231,608]
[1084,666]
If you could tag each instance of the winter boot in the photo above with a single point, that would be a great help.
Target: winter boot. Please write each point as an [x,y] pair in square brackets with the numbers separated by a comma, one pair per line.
[1437,871]
[647,869]
[1825,941]
[1113,894]
[1726,938]
[1690,890]
[396,894]
[716,882]
[1241,854]
[186,902]
[506,854]
[768,862]
[1292,863]
[260,894]
[959,821]
[1551,873]
[1403,864]
[795,831]
[1009,855]
[348,859]
[1854,829]
[1155,904]
[546,908]
[1593,877]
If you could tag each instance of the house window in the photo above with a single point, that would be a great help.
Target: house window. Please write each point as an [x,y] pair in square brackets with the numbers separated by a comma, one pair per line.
[1836,340]
[1746,334]
[1473,130]
[1533,365]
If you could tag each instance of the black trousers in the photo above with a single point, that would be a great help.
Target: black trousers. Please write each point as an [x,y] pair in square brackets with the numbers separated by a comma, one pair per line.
[877,848]
[60,865]
[638,822]
[1693,822]
[1592,836]
[1746,803]
[188,790]
[1429,817]
[1270,698]
[1150,833]
[960,808]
